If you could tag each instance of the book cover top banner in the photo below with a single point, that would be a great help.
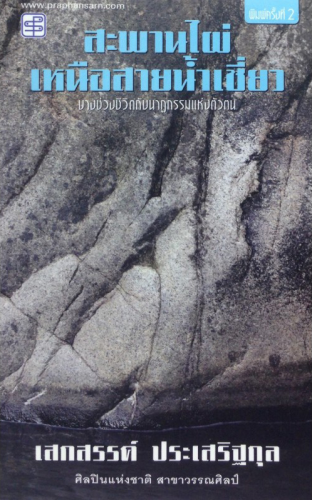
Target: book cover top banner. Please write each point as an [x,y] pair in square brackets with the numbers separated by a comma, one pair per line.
[156,244]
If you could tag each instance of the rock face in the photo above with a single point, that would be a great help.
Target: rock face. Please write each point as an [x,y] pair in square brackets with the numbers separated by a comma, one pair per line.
[155,266]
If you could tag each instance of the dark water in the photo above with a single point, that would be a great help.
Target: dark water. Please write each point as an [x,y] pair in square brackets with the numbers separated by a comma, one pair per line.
[23,478]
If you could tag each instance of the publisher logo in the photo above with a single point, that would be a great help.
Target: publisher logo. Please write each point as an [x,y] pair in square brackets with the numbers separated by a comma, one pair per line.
[33,25]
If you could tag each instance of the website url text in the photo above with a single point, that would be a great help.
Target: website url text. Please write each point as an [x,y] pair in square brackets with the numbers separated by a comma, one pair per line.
[36,6]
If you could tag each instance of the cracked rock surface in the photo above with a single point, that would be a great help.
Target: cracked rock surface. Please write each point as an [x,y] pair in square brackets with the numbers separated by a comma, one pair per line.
[155,267]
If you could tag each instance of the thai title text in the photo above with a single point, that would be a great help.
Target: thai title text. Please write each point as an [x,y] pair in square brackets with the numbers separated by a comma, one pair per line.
[191,44]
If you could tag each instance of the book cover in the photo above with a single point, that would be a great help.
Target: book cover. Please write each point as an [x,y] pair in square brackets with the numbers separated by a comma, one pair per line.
[156,249]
